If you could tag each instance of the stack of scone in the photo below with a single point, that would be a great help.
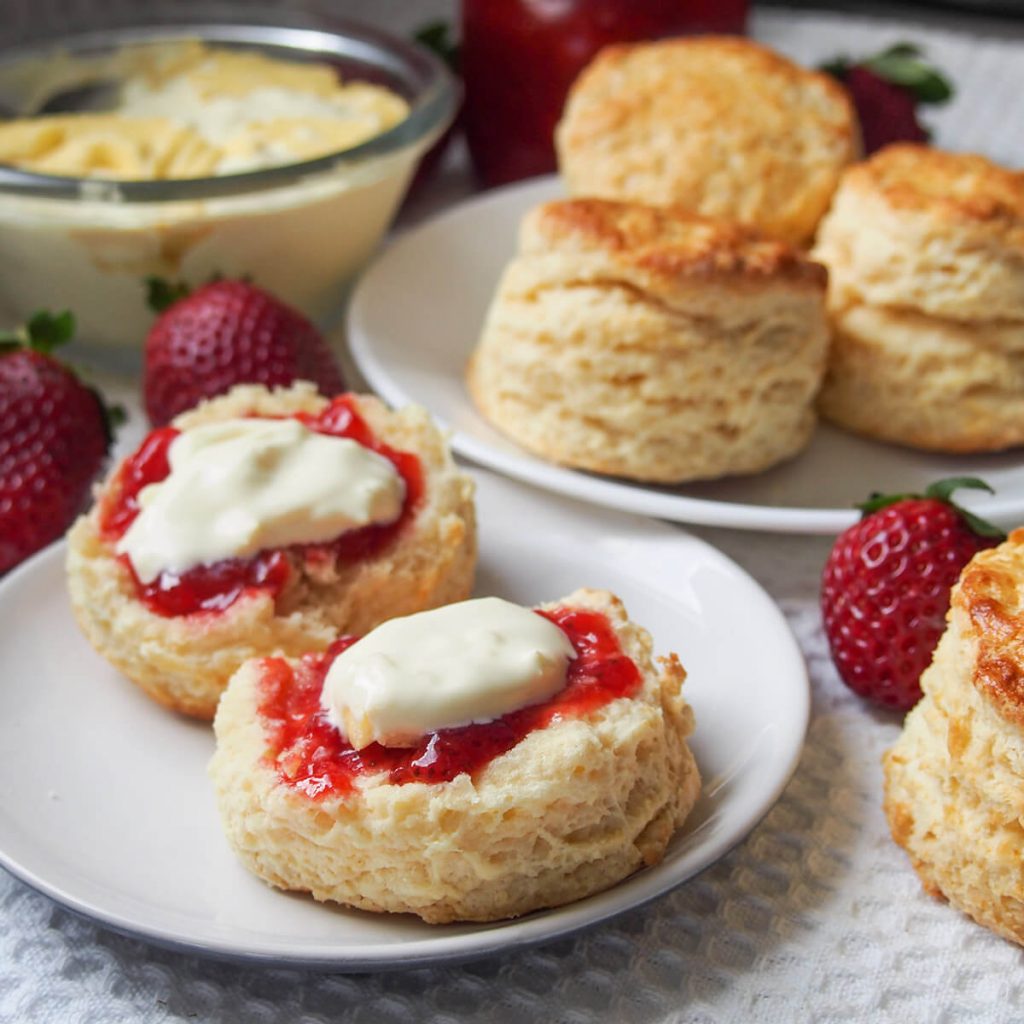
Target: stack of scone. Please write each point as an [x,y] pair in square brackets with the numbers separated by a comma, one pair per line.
[954,782]
[719,125]
[652,343]
[925,252]
[662,324]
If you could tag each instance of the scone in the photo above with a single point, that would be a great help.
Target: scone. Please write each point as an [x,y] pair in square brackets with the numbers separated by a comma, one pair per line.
[651,343]
[546,803]
[954,782]
[315,516]
[720,125]
[925,252]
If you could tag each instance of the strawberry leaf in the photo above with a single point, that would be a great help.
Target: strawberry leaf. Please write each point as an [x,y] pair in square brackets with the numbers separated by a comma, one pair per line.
[46,331]
[161,294]
[437,37]
[941,490]
[877,500]
[980,526]
[904,65]
[837,67]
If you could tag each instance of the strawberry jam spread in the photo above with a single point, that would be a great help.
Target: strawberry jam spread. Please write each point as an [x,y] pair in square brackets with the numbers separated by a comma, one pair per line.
[215,586]
[316,759]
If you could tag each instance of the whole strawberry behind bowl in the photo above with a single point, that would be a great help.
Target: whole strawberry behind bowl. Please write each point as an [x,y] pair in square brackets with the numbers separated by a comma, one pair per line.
[886,586]
[225,333]
[55,433]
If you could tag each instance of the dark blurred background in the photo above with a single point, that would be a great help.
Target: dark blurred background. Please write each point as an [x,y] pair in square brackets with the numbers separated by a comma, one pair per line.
[21,20]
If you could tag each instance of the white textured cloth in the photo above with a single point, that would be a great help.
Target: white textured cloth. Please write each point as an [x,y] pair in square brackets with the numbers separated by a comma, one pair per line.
[817,916]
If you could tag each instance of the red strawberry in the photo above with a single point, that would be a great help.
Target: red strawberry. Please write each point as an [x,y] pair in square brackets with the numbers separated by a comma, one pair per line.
[54,436]
[885,588]
[227,333]
[887,112]
[887,89]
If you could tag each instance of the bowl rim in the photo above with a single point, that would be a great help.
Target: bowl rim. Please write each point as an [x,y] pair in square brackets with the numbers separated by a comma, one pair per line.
[432,108]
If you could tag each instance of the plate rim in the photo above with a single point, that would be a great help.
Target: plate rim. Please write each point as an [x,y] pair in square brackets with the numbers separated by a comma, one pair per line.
[539,928]
[608,492]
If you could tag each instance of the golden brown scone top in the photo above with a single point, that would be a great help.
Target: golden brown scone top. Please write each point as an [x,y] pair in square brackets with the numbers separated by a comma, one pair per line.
[666,242]
[956,189]
[991,593]
[717,123]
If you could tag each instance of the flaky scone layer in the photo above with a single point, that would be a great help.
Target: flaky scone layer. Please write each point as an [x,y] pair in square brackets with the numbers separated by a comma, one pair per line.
[937,384]
[569,811]
[925,252]
[721,125]
[185,662]
[915,228]
[652,343]
[954,782]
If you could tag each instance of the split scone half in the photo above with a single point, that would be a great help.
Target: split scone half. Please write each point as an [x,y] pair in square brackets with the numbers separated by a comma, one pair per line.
[954,781]
[497,771]
[718,124]
[652,343]
[925,253]
[266,522]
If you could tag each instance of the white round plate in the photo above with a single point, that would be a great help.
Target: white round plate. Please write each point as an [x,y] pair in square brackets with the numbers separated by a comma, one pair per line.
[105,805]
[416,316]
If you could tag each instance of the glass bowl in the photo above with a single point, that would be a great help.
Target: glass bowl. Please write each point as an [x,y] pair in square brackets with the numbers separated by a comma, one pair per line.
[300,230]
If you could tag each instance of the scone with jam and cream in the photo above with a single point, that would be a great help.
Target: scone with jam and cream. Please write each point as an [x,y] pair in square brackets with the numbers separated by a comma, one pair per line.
[472,763]
[266,522]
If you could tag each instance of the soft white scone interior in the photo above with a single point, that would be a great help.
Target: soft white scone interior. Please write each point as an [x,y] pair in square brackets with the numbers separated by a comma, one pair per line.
[651,343]
[720,125]
[954,782]
[185,661]
[925,252]
[570,810]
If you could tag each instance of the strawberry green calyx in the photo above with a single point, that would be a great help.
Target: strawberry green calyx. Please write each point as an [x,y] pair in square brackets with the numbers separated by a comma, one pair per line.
[941,490]
[902,64]
[43,332]
[161,294]
[438,37]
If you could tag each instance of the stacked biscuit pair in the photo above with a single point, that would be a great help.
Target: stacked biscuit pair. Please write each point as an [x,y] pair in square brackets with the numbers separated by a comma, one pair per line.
[667,325]
[570,809]
[641,332]
[925,251]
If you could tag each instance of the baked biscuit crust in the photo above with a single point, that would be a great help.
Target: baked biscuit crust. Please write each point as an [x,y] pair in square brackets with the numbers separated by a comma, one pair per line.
[673,245]
[652,343]
[569,811]
[939,233]
[718,124]
[954,782]
[925,252]
[935,384]
[185,662]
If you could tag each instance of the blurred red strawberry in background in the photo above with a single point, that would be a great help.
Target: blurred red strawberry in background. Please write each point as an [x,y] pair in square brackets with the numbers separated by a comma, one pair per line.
[887,89]
[227,333]
[54,436]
